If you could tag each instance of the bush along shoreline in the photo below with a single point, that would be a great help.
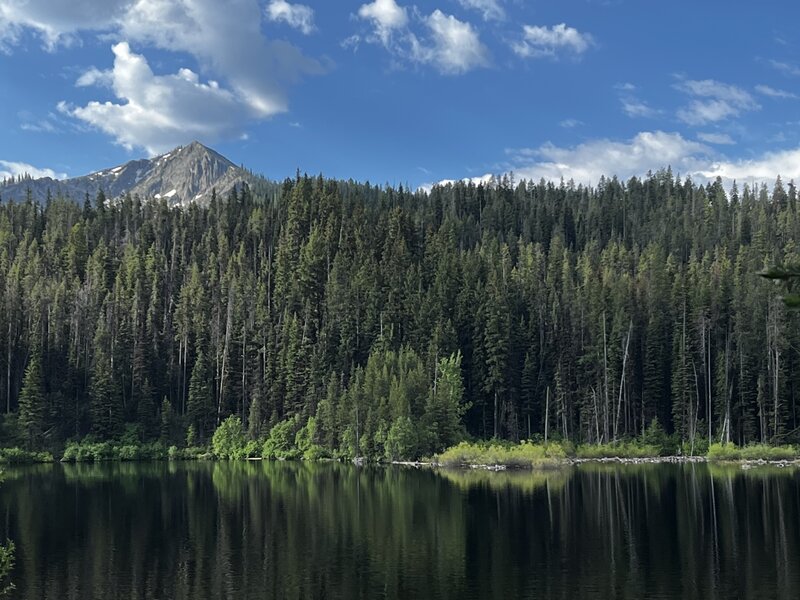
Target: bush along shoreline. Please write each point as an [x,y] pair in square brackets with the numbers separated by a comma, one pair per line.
[294,440]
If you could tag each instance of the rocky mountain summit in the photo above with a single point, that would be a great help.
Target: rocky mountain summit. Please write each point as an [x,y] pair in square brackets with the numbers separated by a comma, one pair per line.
[183,175]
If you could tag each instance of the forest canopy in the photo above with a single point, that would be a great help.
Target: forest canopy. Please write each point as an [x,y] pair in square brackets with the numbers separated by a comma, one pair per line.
[402,321]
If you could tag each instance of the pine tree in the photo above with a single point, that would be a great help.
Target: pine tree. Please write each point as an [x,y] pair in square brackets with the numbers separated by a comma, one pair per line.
[200,404]
[32,407]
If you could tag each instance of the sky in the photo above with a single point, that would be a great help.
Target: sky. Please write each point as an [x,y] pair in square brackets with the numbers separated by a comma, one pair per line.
[403,93]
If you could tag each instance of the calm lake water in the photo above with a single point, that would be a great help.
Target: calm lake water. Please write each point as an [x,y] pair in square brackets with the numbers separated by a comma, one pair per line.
[289,530]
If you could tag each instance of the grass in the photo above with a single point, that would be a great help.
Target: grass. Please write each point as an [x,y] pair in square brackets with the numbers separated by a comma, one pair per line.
[525,455]
[731,452]
[618,450]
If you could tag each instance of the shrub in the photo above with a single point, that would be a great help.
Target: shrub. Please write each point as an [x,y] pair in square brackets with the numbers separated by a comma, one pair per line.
[765,452]
[730,452]
[17,455]
[129,453]
[523,455]
[280,443]
[173,453]
[228,440]
[721,452]
[619,450]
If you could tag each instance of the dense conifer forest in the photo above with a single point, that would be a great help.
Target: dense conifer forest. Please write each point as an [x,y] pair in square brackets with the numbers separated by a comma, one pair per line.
[400,322]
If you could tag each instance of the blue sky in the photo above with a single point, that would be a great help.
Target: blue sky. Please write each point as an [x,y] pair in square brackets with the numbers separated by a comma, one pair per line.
[405,93]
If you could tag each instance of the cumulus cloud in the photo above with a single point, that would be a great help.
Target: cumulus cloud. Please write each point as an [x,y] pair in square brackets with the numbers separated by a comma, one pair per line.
[570,123]
[587,162]
[764,168]
[449,45]
[56,22]
[491,10]
[650,151]
[716,138]
[224,38]
[454,46]
[158,112]
[713,101]
[772,92]
[386,17]
[551,42]
[299,16]
[10,169]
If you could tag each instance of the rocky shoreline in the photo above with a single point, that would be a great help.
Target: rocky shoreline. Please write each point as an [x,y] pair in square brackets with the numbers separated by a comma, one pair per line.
[652,460]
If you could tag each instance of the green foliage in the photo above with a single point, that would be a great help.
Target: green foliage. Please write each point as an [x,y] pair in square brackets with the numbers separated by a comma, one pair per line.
[445,409]
[655,436]
[280,443]
[191,436]
[723,452]
[730,452]
[402,440]
[7,553]
[304,441]
[789,277]
[634,449]
[229,440]
[32,401]
[523,455]
[200,404]
[19,456]
[475,312]
[89,450]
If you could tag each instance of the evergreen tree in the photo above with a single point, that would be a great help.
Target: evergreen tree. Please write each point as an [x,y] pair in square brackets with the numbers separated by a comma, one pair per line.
[32,401]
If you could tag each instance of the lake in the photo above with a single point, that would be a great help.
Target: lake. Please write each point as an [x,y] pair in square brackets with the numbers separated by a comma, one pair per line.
[294,530]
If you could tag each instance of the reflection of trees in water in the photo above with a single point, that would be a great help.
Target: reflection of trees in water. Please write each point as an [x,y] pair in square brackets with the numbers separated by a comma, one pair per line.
[310,530]
[6,562]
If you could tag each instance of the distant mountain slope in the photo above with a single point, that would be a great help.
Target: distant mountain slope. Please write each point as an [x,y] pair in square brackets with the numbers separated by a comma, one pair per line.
[186,174]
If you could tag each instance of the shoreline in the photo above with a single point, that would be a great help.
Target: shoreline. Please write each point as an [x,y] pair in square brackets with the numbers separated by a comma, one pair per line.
[569,462]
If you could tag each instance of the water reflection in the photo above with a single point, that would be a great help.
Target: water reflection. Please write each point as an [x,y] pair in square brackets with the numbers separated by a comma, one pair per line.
[299,530]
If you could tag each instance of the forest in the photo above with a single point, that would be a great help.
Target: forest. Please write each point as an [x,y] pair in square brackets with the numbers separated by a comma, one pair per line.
[383,322]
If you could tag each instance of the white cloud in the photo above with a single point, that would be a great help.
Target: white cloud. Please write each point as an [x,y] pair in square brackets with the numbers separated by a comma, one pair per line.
[540,42]
[224,38]
[716,138]
[650,151]
[587,162]
[713,101]
[56,22]
[765,168]
[94,76]
[570,123]
[487,180]
[490,10]
[454,45]
[158,112]
[10,169]
[298,16]
[449,45]
[386,17]
[635,108]
[775,93]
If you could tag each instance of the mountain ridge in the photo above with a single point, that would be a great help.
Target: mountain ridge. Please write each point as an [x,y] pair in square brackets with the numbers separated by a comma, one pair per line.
[183,175]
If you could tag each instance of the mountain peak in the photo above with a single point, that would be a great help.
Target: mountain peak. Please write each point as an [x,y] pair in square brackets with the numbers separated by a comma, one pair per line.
[183,175]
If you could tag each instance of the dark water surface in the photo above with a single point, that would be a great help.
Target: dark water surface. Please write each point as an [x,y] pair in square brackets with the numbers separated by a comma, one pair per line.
[289,530]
